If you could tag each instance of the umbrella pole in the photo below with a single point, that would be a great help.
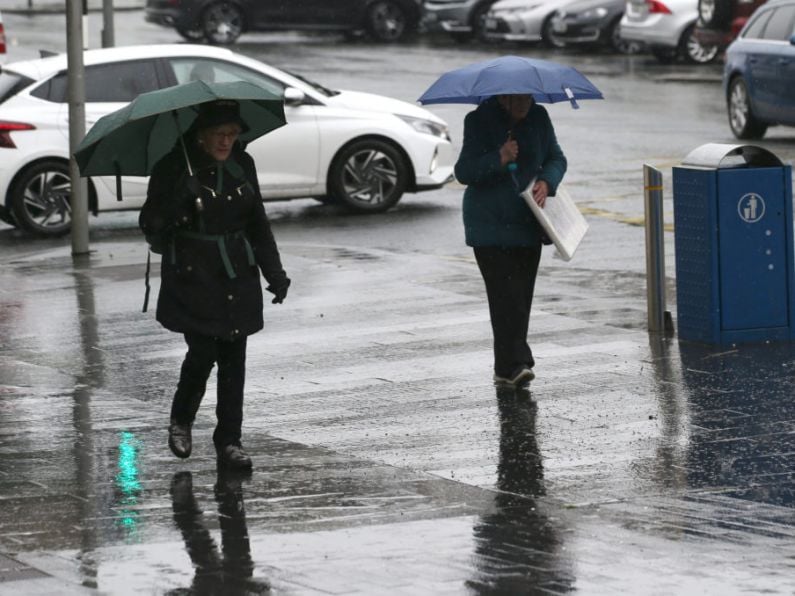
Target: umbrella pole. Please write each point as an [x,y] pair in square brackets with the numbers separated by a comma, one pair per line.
[182,143]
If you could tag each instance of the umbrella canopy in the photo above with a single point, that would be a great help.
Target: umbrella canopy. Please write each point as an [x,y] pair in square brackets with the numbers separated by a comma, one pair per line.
[132,140]
[547,82]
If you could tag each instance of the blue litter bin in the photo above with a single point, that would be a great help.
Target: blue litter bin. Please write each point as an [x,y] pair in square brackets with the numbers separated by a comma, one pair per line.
[733,231]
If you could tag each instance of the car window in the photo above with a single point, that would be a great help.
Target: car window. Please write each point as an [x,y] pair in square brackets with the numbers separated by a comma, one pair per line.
[120,81]
[12,83]
[779,28]
[216,71]
[757,26]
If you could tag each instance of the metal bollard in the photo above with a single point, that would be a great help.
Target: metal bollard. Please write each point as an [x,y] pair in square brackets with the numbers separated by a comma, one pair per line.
[659,320]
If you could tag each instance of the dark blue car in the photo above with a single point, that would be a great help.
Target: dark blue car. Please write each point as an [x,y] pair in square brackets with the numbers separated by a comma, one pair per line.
[759,76]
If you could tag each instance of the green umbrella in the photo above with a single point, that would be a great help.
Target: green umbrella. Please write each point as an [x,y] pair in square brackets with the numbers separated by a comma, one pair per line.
[130,141]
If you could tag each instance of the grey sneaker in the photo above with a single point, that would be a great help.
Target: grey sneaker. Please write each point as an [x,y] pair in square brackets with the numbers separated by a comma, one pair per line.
[520,376]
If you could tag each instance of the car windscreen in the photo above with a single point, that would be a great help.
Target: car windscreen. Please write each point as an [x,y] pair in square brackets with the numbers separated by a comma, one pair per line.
[12,83]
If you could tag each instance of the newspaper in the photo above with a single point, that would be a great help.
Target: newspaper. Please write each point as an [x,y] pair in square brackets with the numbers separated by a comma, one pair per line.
[560,218]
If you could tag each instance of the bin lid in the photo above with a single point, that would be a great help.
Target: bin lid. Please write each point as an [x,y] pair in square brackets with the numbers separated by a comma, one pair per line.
[720,155]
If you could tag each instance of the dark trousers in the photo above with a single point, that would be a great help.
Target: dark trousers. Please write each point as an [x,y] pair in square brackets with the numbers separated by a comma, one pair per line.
[510,277]
[203,353]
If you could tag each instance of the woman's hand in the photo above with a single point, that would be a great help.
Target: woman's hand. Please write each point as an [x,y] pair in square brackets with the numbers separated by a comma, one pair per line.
[540,192]
[509,151]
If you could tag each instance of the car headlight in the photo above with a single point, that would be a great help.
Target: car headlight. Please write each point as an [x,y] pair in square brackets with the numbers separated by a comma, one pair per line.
[595,13]
[428,127]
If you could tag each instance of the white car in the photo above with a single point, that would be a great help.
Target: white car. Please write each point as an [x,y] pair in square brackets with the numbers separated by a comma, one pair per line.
[667,28]
[359,149]
[524,20]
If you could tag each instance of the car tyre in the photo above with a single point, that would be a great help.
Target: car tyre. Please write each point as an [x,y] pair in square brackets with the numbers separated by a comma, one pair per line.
[694,51]
[368,176]
[742,121]
[387,21]
[40,198]
[548,37]
[222,22]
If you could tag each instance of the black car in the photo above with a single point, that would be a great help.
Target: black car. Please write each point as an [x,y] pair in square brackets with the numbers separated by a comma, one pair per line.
[222,21]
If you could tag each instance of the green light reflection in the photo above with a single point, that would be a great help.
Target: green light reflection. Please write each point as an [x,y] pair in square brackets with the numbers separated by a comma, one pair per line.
[128,484]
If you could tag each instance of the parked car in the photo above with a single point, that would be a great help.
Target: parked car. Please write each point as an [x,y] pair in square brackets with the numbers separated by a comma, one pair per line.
[760,70]
[720,21]
[667,28]
[524,20]
[222,21]
[593,22]
[462,19]
[359,149]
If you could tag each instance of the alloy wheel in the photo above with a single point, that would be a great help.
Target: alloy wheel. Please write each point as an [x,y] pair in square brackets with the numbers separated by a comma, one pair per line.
[41,203]
[387,21]
[223,23]
[369,177]
[738,107]
[697,52]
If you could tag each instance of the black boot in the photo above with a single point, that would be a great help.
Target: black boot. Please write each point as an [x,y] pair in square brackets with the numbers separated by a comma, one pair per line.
[234,457]
[179,439]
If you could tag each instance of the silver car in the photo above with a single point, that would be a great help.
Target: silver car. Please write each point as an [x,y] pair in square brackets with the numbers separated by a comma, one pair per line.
[524,20]
[593,22]
[462,19]
[667,28]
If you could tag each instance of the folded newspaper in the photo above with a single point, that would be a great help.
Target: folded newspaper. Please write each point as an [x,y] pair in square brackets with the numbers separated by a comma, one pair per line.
[560,218]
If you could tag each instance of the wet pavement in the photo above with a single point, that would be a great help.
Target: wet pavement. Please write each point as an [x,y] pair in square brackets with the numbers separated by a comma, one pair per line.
[386,462]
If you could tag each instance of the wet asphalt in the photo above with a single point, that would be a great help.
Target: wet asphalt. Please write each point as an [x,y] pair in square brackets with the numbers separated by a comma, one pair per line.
[385,460]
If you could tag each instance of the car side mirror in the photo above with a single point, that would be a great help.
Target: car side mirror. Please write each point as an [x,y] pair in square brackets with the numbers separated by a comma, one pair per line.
[293,96]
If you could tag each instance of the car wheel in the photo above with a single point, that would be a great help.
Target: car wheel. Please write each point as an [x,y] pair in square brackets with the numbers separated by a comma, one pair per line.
[663,54]
[548,37]
[40,198]
[368,176]
[387,21]
[196,34]
[715,14]
[742,121]
[694,51]
[222,23]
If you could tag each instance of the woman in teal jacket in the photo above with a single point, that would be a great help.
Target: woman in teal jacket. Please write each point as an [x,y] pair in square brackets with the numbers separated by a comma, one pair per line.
[508,142]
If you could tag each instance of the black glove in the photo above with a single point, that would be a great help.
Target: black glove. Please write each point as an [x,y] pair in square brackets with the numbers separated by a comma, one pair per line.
[279,290]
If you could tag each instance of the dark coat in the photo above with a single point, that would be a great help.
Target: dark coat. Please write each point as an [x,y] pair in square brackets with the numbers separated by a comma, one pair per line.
[212,257]
[494,212]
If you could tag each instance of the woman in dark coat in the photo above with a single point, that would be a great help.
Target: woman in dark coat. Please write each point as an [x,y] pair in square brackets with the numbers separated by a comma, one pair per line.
[216,239]
[508,141]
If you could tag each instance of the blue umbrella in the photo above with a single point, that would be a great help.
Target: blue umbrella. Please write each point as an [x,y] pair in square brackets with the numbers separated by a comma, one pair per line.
[547,82]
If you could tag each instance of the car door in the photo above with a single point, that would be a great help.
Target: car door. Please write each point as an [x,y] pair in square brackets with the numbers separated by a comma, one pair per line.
[287,158]
[765,64]
[110,87]
[786,68]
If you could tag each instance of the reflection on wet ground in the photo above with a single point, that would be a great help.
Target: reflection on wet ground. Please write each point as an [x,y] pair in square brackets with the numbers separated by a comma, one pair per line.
[385,461]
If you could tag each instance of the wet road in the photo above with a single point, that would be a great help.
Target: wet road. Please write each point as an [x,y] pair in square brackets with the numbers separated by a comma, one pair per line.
[385,460]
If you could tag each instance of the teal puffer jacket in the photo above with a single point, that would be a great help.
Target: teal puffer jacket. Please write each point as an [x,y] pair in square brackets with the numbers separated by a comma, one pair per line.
[494,213]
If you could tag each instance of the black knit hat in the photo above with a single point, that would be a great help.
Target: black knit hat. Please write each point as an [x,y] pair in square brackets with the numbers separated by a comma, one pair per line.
[215,113]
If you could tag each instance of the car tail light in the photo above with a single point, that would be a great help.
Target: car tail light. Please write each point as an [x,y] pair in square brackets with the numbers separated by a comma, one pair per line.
[7,127]
[2,37]
[655,6]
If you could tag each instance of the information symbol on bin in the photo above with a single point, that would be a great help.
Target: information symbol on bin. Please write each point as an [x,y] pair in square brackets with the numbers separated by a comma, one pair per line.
[751,207]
